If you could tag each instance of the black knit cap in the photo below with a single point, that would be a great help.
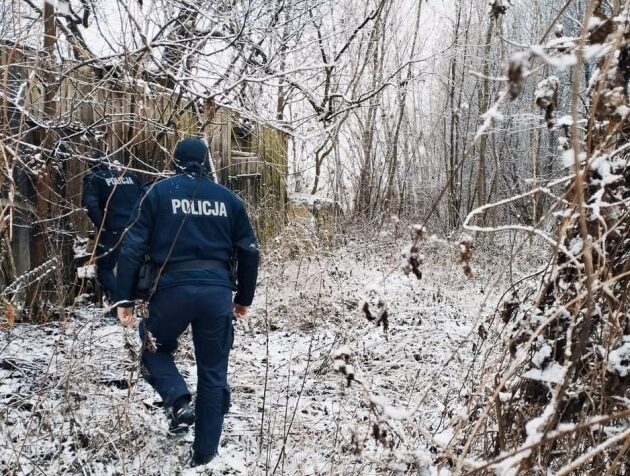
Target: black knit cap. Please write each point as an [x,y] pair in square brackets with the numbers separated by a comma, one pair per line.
[190,153]
[98,161]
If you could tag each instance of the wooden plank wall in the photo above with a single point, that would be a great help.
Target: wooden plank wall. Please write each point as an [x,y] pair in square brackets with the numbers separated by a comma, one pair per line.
[255,170]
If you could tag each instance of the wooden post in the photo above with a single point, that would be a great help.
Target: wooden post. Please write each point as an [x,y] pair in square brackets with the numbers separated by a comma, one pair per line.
[41,181]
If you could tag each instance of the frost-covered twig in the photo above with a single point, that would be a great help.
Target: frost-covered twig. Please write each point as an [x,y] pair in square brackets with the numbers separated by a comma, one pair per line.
[31,277]
[579,462]
[562,431]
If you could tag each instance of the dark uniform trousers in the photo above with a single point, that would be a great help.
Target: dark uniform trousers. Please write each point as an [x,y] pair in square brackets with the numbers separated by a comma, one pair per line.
[208,309]
[107,253]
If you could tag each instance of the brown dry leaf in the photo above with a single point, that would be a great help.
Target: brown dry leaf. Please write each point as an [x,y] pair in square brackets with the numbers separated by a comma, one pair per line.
[10,313]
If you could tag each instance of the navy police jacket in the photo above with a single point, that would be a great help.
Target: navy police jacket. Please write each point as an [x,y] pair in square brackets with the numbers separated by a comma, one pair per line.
[189,217]
[109,181]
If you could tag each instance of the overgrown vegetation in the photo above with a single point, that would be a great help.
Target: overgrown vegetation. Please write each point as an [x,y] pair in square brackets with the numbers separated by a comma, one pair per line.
[451,295]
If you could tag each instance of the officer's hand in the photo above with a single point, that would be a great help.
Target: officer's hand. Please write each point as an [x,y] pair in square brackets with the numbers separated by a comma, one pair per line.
[125,316]
[240,311]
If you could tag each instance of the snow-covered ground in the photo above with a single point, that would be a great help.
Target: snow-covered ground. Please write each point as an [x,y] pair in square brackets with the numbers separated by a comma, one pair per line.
[71,401]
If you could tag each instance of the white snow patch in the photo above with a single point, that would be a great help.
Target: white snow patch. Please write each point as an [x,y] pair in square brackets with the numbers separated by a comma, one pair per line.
[563,143]
[561,62]
[342,351]
[603,167]
[226,462]
[546,91]
[619,359]
[552,373]
[444,437]
[565,121]
[568,158]
[541,355]
[394,413]
[86,272]
[594,22]
[595,51]
[622,111]
[576,245]
[562,43]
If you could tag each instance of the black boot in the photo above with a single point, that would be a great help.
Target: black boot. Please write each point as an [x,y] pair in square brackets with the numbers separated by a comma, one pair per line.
[181,415]
[199,459]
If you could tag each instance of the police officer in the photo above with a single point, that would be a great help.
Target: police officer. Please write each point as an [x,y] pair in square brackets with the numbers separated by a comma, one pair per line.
[190,227]
[109,193]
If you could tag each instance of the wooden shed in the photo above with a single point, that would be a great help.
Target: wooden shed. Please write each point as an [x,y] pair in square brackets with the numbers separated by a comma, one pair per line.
[49,135]
[251,159]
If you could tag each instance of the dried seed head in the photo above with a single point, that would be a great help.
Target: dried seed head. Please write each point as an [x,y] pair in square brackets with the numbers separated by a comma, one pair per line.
[341,363]
[373,299]
[599,28]
[498,7]
[518,69]
[509,308]
[342,353]
[546,95]
[465,250]
[418,232]
[366,310]
[559,30]
[412,260]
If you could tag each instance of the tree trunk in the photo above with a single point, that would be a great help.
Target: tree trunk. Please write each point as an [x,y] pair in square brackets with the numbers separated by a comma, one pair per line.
[366,176]
[452,214]
[484,100]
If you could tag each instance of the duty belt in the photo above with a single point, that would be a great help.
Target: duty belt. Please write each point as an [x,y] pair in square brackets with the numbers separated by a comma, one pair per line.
[195,264]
